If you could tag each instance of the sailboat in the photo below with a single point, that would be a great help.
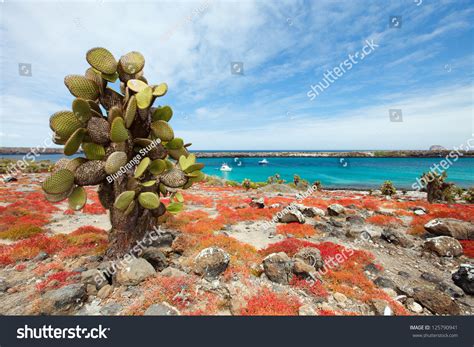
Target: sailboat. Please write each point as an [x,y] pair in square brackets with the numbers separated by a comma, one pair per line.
[263,162]
[225,167]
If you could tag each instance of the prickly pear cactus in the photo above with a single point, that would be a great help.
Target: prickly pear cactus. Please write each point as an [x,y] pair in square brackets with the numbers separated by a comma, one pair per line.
[130,150]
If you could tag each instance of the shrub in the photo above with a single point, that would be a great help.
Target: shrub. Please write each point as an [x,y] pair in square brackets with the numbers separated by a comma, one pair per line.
[296,229]
[387,188]
[268,303]
[18,232]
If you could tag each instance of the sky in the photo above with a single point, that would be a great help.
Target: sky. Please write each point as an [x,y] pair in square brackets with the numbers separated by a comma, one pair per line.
[419,64]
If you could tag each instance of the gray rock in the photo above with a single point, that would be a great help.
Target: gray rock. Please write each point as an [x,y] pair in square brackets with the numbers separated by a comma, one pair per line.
[291,216]
[163,238]
[172,272]
[384,282]
[396,237]
[358,220]
[257,202]
[278,267]
[308,211]
[211,262]
[161,309]
[429,277]
[323,227]
[3,285]
[444,246]
[155,257]
[464,278]
[335,223]
[111,309]
[336,210]
[135,272]
[413,306]
[311,256]
[41,256]
[458,229]
[307,310]
[62,299]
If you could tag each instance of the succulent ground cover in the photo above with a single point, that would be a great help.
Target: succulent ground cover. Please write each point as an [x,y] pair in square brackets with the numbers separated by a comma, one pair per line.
[46,246]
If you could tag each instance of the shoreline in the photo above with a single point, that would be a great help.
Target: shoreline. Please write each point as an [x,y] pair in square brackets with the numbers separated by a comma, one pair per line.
[284,154]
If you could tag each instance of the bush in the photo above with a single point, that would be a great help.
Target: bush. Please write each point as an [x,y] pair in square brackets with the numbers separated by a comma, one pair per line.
[387,188]
[19,232]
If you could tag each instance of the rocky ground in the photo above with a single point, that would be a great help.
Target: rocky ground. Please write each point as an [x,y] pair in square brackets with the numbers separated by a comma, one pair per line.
[331,253]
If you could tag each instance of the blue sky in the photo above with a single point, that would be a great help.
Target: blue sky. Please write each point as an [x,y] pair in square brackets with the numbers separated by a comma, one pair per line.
[424,68]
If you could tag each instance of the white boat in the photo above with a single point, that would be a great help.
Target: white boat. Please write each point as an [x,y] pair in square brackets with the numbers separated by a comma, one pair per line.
[225,167]
[263,162]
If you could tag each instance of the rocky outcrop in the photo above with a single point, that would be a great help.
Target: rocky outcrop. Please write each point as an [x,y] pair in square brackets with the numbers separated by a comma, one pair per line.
[135,272]
[278,267]
[464,278]
[161,309]
[211,262]
[458,229]
[336,210]
[63,299]
[444,246]
[436,301]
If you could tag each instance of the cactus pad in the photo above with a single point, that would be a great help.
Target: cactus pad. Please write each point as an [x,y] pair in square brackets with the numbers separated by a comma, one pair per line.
[144,98]
[93,151]
[98,130]
[157,167]
[124,200]
[82,87]
[59,182]
[130,111]
[162,130]
[115,161]
[90,173]
[78,198]
[175,143]
[74,141]
[140,170]
[162,113]
[64,124]
[136,85]
[149,200]
[81,109]
[160,89]
[174,178]
[118,132]
[132,62]
[102,60]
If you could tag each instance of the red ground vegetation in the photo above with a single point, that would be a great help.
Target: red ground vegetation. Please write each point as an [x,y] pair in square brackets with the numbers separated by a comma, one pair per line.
[383,220]
[296,229]
[468,247]
[268,303]
[57,280]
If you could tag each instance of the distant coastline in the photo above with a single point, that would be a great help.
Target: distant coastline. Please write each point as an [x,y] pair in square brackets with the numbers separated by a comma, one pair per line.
[270,154]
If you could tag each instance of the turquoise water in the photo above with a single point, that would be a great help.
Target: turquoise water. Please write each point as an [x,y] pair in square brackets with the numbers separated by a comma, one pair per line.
[332,172]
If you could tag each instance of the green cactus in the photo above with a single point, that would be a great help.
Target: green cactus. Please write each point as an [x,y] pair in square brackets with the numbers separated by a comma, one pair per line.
[120,135]
[115,161]
[77,199]
[59,182]
[149,200]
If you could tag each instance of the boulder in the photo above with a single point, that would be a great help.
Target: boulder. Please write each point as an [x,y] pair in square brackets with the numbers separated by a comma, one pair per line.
[301,268]
[308,211]
[155,257]
[436,301]
[172,272]
[211,262]
[135,272]
[3,285]
[307,310]
[458,229]
[291,216]
[311,256]
[384,282]
[111,309]
[161,309]
[278,267]
[464,278]
[61,300]
[105,291]
[444,246]
[336,210]
[257,202]
[396,237]
[354,219]
[413,306]
[181,243]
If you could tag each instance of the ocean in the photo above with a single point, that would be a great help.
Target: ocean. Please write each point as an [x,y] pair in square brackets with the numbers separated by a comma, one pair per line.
[332,172]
